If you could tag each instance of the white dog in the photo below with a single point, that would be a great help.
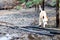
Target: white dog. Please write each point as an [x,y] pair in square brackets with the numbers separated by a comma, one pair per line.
[43,17]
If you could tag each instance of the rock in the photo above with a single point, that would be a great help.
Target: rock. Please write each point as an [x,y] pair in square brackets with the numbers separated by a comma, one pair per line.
[8,37]
[51,3]
[7,3]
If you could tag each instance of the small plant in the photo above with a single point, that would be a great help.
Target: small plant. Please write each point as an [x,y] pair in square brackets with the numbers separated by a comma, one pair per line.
[36,1]
[18,7]
[22,1]
[31,2]
[53,3]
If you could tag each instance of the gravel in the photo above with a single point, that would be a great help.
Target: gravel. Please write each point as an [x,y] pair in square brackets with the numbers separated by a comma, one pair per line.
[24,18]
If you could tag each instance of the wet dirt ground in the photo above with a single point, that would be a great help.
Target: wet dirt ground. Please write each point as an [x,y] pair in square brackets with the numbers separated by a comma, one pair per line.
[25,17]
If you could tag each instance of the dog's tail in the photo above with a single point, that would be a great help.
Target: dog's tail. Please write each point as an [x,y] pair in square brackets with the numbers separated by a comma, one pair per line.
[40,8]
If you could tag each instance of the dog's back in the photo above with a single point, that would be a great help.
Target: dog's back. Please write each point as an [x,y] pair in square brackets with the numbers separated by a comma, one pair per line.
[42,17]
